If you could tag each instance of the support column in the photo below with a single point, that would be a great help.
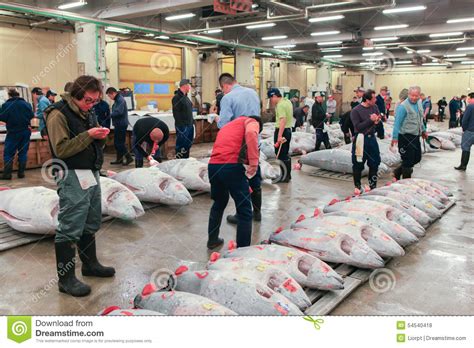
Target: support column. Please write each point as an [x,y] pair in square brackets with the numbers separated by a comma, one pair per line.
[91,51]
[323,78]
[244,67]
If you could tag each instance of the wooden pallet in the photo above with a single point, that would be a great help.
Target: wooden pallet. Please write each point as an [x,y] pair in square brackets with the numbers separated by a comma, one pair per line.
[328,174]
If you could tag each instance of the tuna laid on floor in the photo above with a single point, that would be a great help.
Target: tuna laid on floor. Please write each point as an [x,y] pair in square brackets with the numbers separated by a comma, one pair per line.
[334,246]
[398,233]
[426,189]
[236,292]
[117,311]
[306,269]
[30,209]
[191,172]
[375,238]
[261,271]
[417,193]
[118,201]
[381,209]
[424,183]
[152,185]
[178,303]
[268,171]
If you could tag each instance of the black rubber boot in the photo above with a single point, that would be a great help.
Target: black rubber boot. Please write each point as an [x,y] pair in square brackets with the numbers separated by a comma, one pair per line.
[127,159]
[256,197]
[373,177]
[118,159]
[7,171]
[21,170]
[215,244]
[286,171]
[88,255]
[397,173]
[464,161]
[232,219]
[357,179]
[66,268]
[406,172]
[138,163]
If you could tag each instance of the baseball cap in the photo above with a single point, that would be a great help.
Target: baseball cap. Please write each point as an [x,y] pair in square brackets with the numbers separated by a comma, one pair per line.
[384,88]
[37,90]
[359,89]
[319,94]
[51,92]
[273,91]
[184,82]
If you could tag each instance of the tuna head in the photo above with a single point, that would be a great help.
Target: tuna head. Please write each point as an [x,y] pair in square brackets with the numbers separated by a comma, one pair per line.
[174,192]
[118,201]
[318,274]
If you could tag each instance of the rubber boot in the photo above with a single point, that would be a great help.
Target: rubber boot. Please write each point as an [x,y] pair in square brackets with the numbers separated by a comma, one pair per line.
[138,163]
[357,179]
[464,161]
[286,171]
[118,159]
[66,268]
[373,177]
[21,170]
[88,255]
[397,173]
[7,171]
[256,197]
[406,172]
[232,219]
[213,240]
[127,159]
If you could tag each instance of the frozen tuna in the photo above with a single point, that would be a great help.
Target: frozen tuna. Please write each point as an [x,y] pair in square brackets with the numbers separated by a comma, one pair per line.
[424,183]
[268,171]
[30,209]
[118,201]
[189,171]
[306,269]
[417,193]
[152,185]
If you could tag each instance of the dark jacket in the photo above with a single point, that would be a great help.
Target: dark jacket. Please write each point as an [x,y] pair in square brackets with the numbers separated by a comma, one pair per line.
[17,114]
[318,116]
[119,113]
[182,110]
[102,111]
[381,104]
[346,123]
[454,107]
[141,134]
[299,114]
[468,119]
[360,117]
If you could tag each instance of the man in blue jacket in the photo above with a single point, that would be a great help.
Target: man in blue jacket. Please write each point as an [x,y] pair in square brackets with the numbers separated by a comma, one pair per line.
[382,109]
[454,108]
[119,117]
[42,103]
[468,133]
[17,114]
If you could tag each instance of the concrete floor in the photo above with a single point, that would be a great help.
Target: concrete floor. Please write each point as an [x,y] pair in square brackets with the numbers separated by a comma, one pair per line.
[434,277]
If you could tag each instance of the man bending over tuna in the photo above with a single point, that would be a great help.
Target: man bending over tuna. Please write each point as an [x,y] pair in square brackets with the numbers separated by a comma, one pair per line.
[236,144]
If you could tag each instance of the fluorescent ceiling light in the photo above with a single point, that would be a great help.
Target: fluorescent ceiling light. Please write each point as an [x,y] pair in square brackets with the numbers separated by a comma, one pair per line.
[403,62]
[254,6]
[377,47]
[162,37]
[117,30]
[388,27]
[471,48]
[263,25]
[149,35]
[213,31]
[284,46]
[333,56]
[324,19]
[389,38]
[276,37]
[423,51]
[470,62]
[180,16]
[327,43]
[371,59]
[367,48]
[367,63]
[460,20]
[322,33]
[404,9]
[460,59]
[454,33]
[72,5]
[455,55]
[372,54]
[331,50]
[265,54]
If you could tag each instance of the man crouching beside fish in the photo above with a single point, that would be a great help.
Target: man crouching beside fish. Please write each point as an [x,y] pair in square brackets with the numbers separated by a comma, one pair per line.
[236,144]
[77,142]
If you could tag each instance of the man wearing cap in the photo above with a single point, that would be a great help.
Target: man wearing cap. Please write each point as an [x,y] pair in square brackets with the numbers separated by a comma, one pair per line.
[51,95]
[365,148]
[318,118]
[241,101]
[331,105]
[183,119]
[282,136]
[42,104]
[382,109]
[359,91]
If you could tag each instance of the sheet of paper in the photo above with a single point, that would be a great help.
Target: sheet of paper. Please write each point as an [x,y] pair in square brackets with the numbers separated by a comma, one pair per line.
[86,178]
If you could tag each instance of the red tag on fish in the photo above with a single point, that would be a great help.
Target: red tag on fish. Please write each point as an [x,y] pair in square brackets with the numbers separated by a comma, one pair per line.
[127,313]
[300,218]
[201,275]
[109,310]
[232,245]
[366,188]
[278,230]
[334,201]
[394,179]
[357,192]
[317,212]
[280,309]
[288,285]
[348,198]
[297,166]
[166,295]
[214,256]
[180,270]
[260,247]
[148,289]
[325,268]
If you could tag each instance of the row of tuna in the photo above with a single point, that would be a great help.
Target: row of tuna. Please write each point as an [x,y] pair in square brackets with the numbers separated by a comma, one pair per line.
[269,279]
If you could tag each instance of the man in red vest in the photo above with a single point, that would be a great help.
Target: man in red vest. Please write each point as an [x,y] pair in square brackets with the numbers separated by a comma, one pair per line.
[236,145]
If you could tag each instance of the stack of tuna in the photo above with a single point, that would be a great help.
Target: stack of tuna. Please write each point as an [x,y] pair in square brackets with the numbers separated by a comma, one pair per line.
[268,279]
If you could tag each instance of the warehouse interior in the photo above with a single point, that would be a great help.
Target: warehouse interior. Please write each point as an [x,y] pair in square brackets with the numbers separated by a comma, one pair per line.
[302,49]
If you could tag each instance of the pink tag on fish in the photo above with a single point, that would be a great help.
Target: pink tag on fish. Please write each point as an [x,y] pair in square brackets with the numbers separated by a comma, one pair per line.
[180,270]
[148,289]
[214,256]
[334,201]
[357,192]
[317,212]
[232,245]
[278,230]
[300,218]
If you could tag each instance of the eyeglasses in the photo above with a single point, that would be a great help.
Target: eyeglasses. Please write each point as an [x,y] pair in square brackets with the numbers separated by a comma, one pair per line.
[91,101]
